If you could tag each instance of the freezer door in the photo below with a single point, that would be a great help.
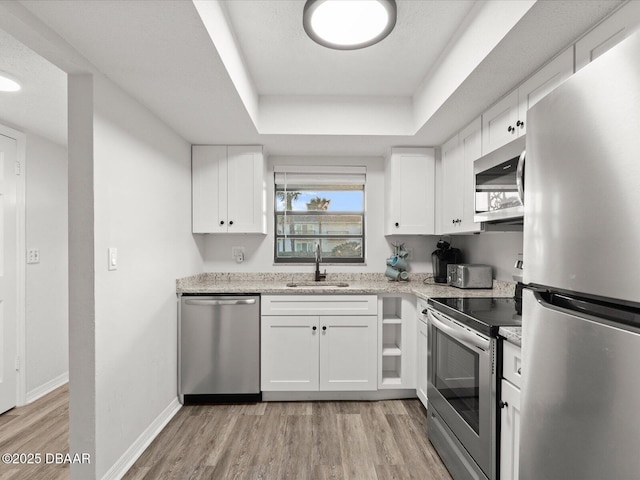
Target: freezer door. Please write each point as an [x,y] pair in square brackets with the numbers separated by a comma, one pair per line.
[582,180]
[580,396]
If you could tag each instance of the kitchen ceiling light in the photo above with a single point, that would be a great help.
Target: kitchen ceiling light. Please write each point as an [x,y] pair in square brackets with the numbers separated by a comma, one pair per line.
[7,84]
[349,24]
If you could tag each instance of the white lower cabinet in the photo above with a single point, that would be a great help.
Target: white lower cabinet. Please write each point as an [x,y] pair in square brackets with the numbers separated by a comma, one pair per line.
[335,349]
[510,413]
[423,355]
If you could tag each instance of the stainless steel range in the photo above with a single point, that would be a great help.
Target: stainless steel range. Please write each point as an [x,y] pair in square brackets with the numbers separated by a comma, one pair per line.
[463,378]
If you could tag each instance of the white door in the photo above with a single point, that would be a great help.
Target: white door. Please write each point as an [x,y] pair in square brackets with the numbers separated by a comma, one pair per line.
[348,352]
[8,309]
[510,432]
[245,180]
[289,353]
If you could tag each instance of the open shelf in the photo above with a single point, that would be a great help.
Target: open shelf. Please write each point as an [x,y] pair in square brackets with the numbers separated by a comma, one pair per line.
[391,350]
[391,320]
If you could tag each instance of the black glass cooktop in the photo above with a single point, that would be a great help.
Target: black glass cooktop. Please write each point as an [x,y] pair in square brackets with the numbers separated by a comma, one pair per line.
[485,315]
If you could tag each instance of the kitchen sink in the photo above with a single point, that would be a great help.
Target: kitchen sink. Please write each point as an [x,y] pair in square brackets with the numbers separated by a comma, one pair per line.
[317,284]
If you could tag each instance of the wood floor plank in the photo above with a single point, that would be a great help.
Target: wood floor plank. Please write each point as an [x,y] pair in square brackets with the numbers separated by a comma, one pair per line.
[326,448]
[354,445]
[382,443]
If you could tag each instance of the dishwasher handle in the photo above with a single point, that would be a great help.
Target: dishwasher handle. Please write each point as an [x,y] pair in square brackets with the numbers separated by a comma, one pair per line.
[209,303]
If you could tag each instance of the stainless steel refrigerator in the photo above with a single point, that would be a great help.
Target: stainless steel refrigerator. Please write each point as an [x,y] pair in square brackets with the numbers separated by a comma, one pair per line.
[580,416]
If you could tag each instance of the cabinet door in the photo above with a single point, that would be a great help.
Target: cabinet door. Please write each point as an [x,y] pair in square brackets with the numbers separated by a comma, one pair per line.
[452,186]
[510,432]
[542,83]
[289,353]
[245,190]
[423,344]
[610,32]
[410,208]
[348,352]
[499,123]
[209,188]
[471,150]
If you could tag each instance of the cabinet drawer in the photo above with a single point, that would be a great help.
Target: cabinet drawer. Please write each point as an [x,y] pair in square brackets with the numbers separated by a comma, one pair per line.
[512,363]
[319,305]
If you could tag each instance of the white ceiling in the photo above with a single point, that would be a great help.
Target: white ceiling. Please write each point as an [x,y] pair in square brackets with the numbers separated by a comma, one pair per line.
[283,60]
[161,52]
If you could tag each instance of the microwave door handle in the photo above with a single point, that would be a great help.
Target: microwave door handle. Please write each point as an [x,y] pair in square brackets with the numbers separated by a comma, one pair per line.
[462,335]
[520,176]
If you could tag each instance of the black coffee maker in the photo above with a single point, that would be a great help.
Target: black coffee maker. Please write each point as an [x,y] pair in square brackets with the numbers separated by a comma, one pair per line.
[443,256]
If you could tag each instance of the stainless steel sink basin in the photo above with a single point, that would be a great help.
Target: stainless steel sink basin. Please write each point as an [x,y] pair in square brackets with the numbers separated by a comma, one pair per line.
[318,284]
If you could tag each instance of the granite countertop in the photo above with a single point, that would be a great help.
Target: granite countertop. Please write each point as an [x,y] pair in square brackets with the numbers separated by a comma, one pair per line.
[421,285]
[511,334]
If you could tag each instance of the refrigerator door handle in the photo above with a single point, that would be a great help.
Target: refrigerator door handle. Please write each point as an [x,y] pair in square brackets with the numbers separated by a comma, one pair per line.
[520,176]
[214,303]
[619,315]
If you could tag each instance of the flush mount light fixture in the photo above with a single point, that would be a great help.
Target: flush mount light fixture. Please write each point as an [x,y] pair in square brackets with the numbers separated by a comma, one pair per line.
[7,84]
[349,24]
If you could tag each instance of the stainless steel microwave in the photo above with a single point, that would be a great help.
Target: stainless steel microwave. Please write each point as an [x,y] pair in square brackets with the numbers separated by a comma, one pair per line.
[499,184]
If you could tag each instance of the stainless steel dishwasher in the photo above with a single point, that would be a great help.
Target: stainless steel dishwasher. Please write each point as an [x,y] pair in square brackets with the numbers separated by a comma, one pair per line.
[219,348]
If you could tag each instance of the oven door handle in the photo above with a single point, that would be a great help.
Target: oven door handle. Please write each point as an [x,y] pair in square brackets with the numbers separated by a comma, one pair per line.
[458,333]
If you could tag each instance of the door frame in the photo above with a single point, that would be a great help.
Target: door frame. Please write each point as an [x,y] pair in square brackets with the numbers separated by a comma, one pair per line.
[21,306]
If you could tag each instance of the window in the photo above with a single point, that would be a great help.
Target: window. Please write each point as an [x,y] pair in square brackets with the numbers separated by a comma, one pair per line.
[319,208]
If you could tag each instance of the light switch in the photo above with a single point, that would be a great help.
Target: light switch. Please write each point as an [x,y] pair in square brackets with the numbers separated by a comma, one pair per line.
[113,259]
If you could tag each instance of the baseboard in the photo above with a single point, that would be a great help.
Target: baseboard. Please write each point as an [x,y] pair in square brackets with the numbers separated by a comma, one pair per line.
[47,387]
[126,461]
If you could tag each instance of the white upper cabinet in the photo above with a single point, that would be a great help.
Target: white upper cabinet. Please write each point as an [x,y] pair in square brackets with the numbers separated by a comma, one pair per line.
[452,180]
[506,120]
[458,155]
[409,192]
[611,31]
[228,189]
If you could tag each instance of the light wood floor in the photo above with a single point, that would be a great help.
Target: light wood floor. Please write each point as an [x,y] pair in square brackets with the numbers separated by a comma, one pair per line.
[382,440]
[40,427]
[299,440]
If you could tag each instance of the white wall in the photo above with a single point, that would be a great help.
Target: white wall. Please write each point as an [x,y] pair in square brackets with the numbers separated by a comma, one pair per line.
[259,248]
[47,292]
[142,207]
[134,174]
[498,249]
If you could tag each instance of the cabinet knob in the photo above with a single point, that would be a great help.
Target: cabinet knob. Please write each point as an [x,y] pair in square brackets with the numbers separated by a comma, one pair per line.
[520,371]
[221,222]
[231,222]
[503,404]
[314,328]
[324,329]
[519,124]
[397,224]
[511,129]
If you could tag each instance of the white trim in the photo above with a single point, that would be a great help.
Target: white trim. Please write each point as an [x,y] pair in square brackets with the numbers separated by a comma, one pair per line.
[330,169]
[21,304]
[371,395]
[128,458]
[47,387]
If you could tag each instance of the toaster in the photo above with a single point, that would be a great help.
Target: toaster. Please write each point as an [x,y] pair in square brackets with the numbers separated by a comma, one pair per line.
[466,275]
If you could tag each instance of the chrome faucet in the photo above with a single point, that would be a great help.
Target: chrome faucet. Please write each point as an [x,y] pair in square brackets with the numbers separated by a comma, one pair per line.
[319,276]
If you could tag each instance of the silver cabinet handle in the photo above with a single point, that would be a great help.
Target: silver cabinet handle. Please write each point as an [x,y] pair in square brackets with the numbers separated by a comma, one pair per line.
[248,301]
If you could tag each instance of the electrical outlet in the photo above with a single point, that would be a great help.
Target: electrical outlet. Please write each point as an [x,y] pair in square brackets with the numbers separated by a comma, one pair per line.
[33,255]
[237,254]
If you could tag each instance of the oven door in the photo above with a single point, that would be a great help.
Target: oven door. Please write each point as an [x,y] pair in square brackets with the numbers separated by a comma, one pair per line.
[461,386]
